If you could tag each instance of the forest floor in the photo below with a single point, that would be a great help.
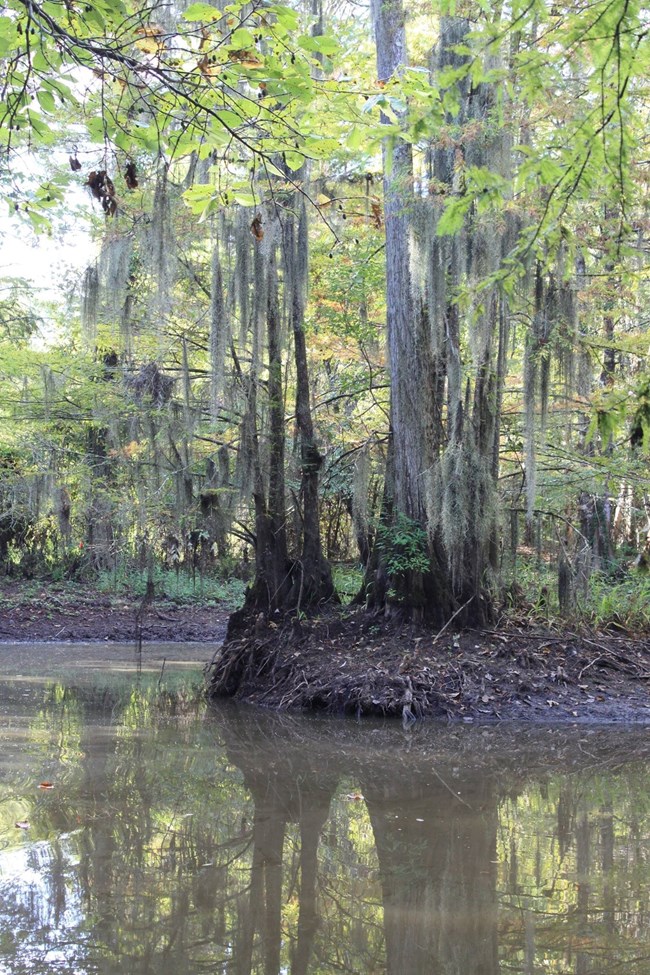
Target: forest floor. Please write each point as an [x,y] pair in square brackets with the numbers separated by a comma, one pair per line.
[350,662]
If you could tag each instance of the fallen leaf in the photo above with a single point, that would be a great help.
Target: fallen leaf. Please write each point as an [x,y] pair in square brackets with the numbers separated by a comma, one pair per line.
[22,824]
[46,785]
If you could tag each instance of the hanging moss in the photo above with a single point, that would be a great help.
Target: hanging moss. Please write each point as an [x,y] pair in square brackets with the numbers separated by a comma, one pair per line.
[219,334]
[89,304]
[360,486]
[530,404]
[242,278]
[114,268]
[159,252]
[49,390]
[188,412]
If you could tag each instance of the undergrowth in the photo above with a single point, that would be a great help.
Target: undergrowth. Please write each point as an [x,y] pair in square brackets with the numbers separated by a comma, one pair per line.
[179,588]
[348,579]
[623,605]
[616,599]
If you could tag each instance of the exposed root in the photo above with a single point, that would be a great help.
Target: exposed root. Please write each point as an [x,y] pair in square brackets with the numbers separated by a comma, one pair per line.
[357,664]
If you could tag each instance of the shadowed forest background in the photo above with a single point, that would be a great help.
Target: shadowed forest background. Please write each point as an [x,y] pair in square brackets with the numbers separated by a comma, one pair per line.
[364,313]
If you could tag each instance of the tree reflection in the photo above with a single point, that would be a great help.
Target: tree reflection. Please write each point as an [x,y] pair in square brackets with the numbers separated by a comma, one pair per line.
[280,797]
[436,852]
[180,842]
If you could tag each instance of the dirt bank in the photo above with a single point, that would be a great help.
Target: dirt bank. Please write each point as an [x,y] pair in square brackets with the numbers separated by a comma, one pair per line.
[358,664]
[50,613]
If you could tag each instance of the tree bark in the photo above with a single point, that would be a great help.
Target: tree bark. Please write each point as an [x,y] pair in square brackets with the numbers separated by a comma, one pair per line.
[313,580]
[443,465]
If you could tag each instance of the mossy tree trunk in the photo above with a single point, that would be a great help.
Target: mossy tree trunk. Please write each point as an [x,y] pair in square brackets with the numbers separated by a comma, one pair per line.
[446,351]
[313,583]
[284,582]
[272,584]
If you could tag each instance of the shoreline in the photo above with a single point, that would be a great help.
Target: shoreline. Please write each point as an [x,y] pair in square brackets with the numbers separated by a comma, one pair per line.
[349,662]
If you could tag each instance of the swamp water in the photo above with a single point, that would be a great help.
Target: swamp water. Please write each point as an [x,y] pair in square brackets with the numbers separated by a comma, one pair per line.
[158,835]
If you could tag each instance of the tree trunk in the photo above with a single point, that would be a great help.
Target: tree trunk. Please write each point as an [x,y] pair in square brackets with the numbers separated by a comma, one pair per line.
[412,590]
[437,541]
[271,587]
[313,580]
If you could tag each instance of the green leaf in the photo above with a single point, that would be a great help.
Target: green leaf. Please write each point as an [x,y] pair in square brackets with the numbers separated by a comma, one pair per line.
[46,100]
[122,140]
[273,169]
[199,197]
[320,148]
[8,35]
[244,198]
[202,12]
[285,16]
[358,134]
[452,217]
[93,16]
[321,44]
[96,129]
[241,39]
[294,160]
[230,119]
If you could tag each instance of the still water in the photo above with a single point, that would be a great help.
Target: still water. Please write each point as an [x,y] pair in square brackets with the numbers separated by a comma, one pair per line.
[158,835]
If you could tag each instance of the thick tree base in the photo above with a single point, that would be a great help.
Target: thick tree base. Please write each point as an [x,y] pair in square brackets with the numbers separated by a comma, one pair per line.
[357,663]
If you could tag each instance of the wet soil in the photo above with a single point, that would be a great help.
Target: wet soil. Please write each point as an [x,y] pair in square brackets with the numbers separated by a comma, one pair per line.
[354,663]
[59,614]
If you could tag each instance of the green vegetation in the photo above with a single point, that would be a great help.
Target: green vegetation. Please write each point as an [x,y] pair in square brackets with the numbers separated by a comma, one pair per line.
[179,588]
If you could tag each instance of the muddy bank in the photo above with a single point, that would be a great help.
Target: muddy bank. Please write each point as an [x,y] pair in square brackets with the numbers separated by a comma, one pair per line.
[358,664]
[49,614]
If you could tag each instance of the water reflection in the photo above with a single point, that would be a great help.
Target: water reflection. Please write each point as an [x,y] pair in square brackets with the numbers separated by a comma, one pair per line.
[182,840]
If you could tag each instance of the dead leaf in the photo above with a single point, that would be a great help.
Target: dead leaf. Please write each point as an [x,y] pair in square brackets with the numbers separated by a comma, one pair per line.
[247,59]
[46,785]
[22,824]
[131,176]
[102,188]
[208,67]
[151,40]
